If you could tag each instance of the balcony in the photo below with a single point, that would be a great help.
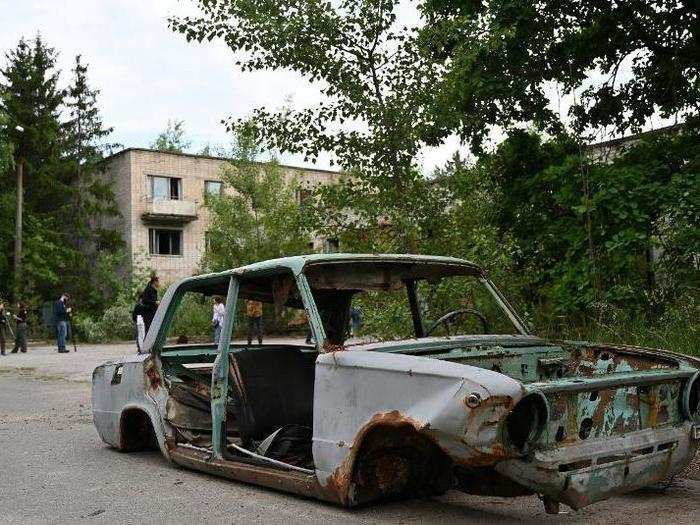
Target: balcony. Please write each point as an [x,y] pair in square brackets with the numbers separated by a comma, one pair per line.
[170,211]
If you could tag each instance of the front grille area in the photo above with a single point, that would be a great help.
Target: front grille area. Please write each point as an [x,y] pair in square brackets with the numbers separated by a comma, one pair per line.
[584,415]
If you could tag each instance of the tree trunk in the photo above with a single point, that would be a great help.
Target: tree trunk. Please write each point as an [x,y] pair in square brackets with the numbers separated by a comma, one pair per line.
[18,225]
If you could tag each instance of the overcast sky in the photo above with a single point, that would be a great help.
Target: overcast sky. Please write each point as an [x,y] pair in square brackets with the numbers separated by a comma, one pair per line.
[148,74]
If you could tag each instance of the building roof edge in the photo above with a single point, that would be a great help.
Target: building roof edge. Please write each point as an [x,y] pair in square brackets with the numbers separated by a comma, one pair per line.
[206,157]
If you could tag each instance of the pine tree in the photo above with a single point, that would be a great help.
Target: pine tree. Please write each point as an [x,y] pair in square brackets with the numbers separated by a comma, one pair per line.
[91,199]
[30,99]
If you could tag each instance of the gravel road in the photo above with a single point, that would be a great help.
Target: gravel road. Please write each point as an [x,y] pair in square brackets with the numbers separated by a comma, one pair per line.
[54,468]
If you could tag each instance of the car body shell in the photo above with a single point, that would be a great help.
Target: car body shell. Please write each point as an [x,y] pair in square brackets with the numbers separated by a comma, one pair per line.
[455,408]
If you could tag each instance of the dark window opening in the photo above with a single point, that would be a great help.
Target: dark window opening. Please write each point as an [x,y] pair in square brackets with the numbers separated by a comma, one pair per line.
[164,242]
[331,245]
[303,195]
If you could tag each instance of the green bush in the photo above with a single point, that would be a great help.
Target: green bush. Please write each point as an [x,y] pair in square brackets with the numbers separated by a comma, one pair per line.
[116,322]
[674,328]
[192,318]
[88,330]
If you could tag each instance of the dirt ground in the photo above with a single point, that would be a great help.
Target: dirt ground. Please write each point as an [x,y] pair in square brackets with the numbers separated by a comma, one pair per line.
[54,468]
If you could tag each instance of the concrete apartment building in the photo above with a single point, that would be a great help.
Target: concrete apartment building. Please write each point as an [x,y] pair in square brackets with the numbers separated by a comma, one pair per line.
[160,196]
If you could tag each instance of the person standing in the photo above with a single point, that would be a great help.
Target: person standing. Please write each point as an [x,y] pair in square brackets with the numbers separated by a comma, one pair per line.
[217,319]
[253,310]
[139,325]
[21,328]
[355,321]
[61,311]
[3,327]
[149,300]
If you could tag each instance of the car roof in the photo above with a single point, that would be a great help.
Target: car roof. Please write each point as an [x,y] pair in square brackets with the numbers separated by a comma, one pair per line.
[296,263]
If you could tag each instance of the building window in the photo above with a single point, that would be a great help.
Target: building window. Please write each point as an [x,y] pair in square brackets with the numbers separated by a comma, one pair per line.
[165,188]
[164,242]
[331,245]
[212,187]
[303,195]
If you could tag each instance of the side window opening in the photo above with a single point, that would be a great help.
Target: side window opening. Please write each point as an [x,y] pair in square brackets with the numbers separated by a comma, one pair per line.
[270,398]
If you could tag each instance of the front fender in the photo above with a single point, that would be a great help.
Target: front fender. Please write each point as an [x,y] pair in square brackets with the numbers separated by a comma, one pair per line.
[357,390]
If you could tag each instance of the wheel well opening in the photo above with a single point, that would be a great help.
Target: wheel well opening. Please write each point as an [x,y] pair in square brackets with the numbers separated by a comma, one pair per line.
[398,461]
[136,431]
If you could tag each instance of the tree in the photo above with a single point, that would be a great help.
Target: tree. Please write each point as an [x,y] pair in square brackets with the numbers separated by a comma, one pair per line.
[6,157]
[585,235]
[84,148]
[64,243]
[259,217]
[367,66]
[31,100]
[503,60]
[172,139]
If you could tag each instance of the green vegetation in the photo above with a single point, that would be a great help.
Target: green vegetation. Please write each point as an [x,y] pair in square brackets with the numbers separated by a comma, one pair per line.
[57,137]
[172,139]
[586,249]
[260,219]
[619,63]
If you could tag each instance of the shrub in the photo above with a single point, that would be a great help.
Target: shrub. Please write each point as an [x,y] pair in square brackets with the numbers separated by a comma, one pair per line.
[89,330]
[192,318]
[116,322]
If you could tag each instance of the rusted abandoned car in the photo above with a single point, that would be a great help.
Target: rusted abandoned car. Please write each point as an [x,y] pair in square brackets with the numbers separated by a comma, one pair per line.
[450,392]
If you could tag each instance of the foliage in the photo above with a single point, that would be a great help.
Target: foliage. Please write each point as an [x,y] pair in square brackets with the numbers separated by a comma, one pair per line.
[64,246]
[117,323]
[258,217]
[6,160]
[172,139]
[621,62]
[88,330]
[91,199]
[30,100]
[193,317]
[589,234]
[676,328]
[373,79]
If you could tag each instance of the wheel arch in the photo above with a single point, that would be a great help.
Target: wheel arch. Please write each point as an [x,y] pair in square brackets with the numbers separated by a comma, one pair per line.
[139,429]
[394,459]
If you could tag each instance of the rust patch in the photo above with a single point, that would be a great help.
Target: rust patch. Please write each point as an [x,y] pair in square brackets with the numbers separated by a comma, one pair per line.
[289,481]
[340,480]
[605,398]
[329,347]
[154,380]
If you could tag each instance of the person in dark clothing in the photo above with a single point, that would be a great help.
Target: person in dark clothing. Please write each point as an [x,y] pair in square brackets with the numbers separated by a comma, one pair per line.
[61,311]
[21,329]
[3,327]
[149,300]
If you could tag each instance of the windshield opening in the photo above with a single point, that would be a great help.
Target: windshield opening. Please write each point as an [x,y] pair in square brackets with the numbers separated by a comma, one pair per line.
[372,302]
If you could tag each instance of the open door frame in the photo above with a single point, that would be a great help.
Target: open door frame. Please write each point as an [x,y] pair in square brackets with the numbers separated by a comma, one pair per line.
[219,374]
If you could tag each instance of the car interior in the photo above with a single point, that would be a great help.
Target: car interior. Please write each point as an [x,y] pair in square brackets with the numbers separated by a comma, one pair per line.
[270,399]
[271,386]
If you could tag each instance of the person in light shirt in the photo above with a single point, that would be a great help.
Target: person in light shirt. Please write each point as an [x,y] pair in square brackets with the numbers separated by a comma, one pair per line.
[217,319]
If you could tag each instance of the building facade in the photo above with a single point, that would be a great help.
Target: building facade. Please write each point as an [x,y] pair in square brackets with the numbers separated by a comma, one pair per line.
[160,196]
